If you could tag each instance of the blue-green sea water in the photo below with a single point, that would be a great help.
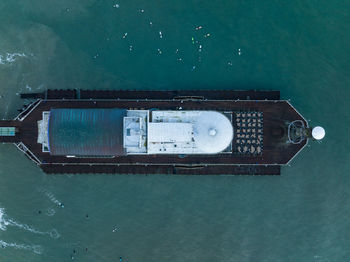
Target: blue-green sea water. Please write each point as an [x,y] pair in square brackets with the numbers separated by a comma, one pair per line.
[300,47]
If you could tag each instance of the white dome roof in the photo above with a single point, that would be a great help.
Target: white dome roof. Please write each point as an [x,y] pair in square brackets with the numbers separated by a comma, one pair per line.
[213,132]
[318,132]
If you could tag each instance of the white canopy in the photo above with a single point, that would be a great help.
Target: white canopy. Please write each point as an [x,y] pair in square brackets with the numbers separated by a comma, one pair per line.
[213,132]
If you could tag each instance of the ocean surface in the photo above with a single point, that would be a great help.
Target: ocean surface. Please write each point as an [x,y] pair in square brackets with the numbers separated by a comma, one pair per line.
[299,47]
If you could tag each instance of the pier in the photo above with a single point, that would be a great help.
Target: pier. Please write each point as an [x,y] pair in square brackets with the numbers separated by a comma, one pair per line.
[274,147]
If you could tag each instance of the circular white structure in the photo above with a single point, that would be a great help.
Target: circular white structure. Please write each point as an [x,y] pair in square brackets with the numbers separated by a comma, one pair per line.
[213,132]
[318,132]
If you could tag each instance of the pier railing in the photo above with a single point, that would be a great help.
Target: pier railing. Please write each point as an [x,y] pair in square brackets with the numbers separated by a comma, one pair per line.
[28,153]
[22,115]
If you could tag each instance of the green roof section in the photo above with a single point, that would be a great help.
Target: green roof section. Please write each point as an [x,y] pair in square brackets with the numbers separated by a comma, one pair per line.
[86,132]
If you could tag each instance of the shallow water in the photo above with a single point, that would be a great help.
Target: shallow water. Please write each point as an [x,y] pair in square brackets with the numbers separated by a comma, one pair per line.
[299,47]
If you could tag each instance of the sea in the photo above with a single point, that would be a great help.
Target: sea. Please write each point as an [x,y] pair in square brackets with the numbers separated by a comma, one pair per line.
[299,47]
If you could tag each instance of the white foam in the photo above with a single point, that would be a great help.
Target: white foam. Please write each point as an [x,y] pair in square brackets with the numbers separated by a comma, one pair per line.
[4,222]
[37,249]
[52,233]
[25,227]
[10,58]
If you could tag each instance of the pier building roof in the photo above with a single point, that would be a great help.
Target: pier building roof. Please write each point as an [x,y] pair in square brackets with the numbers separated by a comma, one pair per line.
[86,132]
[189,132]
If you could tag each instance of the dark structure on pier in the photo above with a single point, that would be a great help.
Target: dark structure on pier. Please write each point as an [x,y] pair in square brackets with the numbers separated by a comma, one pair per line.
[261,143]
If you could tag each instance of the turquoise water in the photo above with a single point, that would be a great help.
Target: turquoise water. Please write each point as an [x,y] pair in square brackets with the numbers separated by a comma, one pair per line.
[298,47]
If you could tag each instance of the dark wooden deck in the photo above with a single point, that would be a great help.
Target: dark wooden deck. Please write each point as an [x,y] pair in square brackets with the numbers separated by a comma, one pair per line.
[163,169]
[156,95]
[275,152]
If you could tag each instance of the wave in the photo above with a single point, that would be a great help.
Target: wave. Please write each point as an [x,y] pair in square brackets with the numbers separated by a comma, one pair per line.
[37,249]
[10,58]
[11,222]
[4,222]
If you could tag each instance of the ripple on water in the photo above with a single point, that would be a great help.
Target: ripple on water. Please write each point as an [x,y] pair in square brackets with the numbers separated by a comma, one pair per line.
[50,212]
[10,222]
[2,220]
[37,249]
[54,234]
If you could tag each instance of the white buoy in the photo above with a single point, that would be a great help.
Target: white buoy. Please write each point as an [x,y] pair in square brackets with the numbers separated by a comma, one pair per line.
[318,132]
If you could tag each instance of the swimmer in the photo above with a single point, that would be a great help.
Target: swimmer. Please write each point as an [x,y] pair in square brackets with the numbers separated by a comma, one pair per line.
[193,68]
[39,211]
[200,48]
[125,34]
[192,40]
[116,6]
[199,27]
[141,10]
[206,35]
[120,259]
[61,205]
[150,23]
[159,51]
[130,48]
[160,34]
